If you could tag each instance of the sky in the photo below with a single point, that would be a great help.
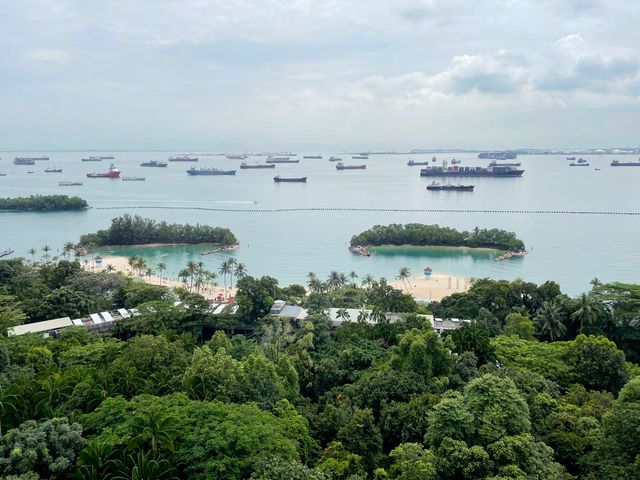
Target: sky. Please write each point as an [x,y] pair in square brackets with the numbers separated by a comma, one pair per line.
[325,75]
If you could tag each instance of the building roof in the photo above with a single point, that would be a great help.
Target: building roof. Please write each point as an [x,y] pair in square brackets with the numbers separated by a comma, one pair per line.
[39,327]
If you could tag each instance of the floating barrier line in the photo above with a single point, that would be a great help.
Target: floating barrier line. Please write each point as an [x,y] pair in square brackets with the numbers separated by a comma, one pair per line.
[395,210]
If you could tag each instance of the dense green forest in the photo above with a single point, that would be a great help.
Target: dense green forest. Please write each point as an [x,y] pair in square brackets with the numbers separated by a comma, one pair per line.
[435,235]
[43,203]
[136,230]
[540,386]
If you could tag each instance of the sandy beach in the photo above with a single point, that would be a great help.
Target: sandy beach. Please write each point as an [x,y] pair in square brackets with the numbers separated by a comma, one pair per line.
[121,264]
[434,288]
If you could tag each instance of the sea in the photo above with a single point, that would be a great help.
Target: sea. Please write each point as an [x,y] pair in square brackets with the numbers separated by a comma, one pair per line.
[289,229]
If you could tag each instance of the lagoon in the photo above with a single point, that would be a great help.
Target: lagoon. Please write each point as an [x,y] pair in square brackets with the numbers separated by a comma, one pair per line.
[570,249]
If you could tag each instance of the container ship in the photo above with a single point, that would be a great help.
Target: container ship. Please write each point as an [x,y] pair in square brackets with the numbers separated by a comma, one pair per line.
[112,173]
[494,163]
[209,171]
[498,155]
[312,157]
[236,156]
[497,171]
[35,159]
[53,170]
[438,187]
[413,163]
[342,166]
[182,158]
[154,163]
[616,163]
[23,161]
[245,165]
[279,179]
[282,160]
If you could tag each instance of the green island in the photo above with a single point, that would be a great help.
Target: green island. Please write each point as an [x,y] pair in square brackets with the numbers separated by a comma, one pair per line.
[530,384]
[43,203]
[417,234]
[136,230]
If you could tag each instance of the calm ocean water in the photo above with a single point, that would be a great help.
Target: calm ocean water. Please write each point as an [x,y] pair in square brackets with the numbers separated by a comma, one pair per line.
[571,249]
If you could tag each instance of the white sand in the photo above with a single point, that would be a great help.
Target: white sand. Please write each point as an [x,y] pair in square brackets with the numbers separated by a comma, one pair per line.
[433,288]
[121,264]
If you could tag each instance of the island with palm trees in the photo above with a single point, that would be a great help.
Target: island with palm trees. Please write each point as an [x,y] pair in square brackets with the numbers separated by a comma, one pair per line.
[416,234]
[136,230]
[43,203]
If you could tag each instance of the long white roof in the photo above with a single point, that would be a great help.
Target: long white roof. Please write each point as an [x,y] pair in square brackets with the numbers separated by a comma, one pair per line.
[38,327]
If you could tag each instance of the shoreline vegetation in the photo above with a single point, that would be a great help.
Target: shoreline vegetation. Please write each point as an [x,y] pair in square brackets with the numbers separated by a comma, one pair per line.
[139,231]
[43,203]
[421,235]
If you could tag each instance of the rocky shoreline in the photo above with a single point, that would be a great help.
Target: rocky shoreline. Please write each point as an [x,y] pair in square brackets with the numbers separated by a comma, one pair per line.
[223,248]
[511,254]
[360,250]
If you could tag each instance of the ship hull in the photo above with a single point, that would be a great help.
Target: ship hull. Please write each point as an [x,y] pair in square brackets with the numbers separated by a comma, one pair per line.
[247,167]
[471,173]
[290,180]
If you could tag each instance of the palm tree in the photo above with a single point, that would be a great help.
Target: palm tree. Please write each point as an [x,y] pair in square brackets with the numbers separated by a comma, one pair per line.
[192,270]
[343,314]
[67,249]
[363,316]
[148,272]
[224,270]
[377,315]
[156,430]
[32,252]
[586,311]
[46,249]
[367,280]
[334,280]
[132,261]
[595,282]
[550,321]
[232,264]
[403,274]
[110,268]
[141,265]
[8,402]
[353,275]
[161,267]
[240,271]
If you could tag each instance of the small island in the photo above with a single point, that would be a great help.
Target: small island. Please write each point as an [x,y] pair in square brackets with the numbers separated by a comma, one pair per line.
[136,230]
[417,234]
[43,203]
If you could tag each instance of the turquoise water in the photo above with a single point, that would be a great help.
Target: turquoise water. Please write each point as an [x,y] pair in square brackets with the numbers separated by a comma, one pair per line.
[570,249]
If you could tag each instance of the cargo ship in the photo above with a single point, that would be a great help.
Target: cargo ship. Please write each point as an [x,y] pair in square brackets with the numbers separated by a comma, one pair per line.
[53,170]
[571,158]
[438,187]
[209,171]
[133,179]
[335,159]
[245,165]
[312,157]
[23,161]
[578,164]
[498,155]
[413,163]
[279,179]
[35,159]
[182,158]
[112,173]
[360,157]
[497,171]
[97,159]
[236,156]
[69,184]
[154,163]
[495,163]
[278,157]
[616,163]
[283,160]
[342,166]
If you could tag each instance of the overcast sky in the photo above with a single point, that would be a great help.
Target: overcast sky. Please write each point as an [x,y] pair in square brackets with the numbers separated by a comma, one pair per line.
[319,74]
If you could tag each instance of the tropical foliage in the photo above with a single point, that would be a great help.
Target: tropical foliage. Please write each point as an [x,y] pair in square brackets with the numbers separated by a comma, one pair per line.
[43,203]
